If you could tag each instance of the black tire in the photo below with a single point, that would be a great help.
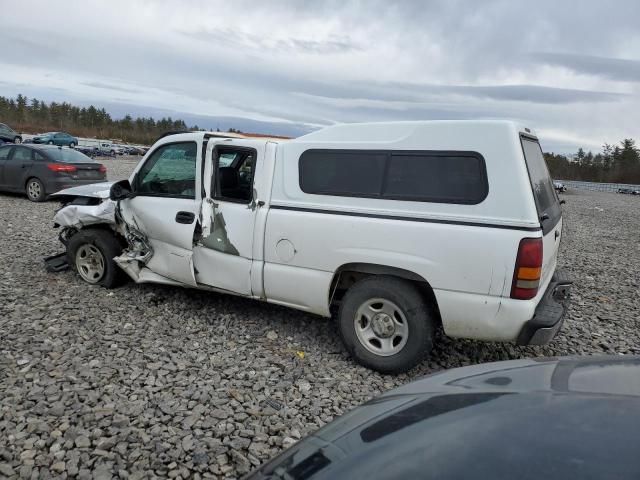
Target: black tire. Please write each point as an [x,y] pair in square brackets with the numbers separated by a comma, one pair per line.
[50,142]
[17,140]
[109,247]
[34,188]
[72,144]
[417,314]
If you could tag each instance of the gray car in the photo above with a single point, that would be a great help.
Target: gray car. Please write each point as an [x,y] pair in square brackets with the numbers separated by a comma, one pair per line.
[39,170]
[9,135]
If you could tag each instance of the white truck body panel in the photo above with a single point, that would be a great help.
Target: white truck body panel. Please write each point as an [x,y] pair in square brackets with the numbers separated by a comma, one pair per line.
[288,245]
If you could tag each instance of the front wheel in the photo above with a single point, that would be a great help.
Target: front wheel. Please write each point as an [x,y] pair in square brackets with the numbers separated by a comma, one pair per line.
[385,324]
[17,140]
[91,252]
[50,142]
[72,144]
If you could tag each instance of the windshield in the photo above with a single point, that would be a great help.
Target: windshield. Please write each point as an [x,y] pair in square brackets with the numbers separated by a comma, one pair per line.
[68,155]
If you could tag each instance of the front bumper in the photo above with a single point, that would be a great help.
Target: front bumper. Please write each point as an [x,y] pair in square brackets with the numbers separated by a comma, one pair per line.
[550,312]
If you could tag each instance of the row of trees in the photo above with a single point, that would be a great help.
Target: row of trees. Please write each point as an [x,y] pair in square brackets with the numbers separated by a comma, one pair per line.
[615,164]
[35,116]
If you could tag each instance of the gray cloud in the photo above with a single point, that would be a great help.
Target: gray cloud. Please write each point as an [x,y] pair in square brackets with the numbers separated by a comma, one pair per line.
[238,39]
[613,68]
[416,92]
[109,86]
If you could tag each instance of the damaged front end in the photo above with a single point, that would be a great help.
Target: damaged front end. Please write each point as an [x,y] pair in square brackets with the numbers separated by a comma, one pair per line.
[138,251]
[90,206]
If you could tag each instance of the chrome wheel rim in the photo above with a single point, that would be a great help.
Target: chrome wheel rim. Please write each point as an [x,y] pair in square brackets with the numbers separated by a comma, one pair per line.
[381,327]
[34,190]
[90,263]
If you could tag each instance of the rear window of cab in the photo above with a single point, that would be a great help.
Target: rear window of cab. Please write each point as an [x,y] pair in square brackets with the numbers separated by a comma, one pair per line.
[422,176]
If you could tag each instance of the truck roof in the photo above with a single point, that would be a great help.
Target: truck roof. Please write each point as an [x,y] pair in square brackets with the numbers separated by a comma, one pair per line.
[381,132]
[392,132]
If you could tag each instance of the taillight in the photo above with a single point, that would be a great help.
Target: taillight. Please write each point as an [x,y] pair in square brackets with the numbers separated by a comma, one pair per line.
[526,277]
[102,169]
[61,167]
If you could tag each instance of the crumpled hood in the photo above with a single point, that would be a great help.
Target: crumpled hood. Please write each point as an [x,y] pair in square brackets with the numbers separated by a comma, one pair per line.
[93,190]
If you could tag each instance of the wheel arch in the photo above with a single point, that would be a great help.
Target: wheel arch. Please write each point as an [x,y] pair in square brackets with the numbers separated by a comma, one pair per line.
[29,177]
[350,273]
[105,227]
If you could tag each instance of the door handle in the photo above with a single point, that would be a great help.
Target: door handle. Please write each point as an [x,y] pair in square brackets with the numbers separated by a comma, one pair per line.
[185,217]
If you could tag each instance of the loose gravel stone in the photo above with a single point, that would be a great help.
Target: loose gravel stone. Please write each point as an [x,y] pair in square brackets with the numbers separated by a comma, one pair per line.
[6,470]
[149,381]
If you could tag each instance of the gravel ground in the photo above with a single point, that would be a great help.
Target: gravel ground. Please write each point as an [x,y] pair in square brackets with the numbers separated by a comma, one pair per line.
[148,381]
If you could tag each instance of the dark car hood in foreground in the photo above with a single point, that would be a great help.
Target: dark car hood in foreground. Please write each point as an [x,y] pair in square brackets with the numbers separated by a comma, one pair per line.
[526,419]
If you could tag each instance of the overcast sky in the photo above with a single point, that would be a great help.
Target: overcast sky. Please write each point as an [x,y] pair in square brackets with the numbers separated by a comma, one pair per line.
[570,70]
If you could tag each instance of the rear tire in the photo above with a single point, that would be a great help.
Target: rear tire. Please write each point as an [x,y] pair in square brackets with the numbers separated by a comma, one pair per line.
[90,252]
[72,144]
[35,190]
[386,324]
[50,142]
[17,140]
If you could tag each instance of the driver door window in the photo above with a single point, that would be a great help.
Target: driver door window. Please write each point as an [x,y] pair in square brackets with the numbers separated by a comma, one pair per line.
[234,179]
[169,172]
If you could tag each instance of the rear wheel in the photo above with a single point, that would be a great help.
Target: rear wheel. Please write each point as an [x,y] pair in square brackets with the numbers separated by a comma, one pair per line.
[72,144]
[386,324]
[91,252]
[17,140]
[50,142]
[35,190]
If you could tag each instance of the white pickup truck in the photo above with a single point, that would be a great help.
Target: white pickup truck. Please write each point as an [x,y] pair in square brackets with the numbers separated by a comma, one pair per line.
[400,228]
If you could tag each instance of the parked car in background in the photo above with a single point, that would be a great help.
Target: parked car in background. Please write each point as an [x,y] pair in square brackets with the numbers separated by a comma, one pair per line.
[136,151]
[61,139]
[88,151]
[8,135]
[629,191]
[109,148]
[414,201]
[131,150]
[39,170]
[552,419]
[559,186]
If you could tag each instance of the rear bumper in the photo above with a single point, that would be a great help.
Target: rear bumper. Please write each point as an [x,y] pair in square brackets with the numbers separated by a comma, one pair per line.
[549,314]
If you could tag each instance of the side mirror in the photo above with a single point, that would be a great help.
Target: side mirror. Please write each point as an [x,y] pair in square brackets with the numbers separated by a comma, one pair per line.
[121,190]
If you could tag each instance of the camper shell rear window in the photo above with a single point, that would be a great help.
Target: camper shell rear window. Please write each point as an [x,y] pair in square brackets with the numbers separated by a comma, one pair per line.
[423,176]
[544,194]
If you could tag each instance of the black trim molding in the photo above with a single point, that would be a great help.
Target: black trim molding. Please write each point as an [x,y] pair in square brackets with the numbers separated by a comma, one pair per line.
[403,219]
